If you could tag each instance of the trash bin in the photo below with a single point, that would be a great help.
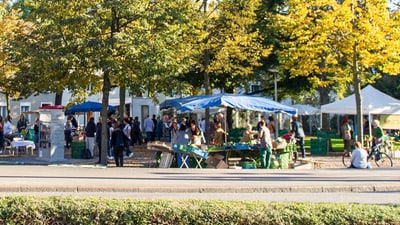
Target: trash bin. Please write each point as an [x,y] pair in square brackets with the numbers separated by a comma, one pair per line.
[77,149]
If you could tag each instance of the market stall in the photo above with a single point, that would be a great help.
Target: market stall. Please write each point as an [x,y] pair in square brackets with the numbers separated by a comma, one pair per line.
[240,102]
[78,144]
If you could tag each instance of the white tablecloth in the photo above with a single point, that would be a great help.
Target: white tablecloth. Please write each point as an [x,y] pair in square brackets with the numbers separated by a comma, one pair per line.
[25,143]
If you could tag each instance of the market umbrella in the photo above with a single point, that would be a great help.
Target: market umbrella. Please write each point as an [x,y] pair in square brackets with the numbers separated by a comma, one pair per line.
[88,106]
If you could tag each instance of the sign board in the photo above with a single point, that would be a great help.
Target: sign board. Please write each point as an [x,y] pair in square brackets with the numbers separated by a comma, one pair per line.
[390,121]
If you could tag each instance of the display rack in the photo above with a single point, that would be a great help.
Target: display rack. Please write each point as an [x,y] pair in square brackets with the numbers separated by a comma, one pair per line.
[45,136]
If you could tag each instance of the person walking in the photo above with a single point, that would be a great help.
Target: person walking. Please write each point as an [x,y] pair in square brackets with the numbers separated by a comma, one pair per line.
[118,143]
[90,131]
[265,145]
[297,130]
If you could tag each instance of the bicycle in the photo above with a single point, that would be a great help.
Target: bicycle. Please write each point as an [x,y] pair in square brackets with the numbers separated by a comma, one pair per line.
[380,158]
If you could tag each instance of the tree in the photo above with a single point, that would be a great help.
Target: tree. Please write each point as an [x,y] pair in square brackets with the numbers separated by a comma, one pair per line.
[230,47]
[91,46]
[11,26]
[339,42]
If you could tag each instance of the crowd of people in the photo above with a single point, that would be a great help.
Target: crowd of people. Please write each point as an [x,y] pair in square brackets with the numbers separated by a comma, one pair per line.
[124,133]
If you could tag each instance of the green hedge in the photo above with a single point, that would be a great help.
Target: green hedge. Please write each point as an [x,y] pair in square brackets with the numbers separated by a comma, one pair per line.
[70,210]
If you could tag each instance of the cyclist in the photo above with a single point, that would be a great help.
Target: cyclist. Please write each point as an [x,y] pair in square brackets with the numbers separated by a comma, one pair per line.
[377,133]
[359,157]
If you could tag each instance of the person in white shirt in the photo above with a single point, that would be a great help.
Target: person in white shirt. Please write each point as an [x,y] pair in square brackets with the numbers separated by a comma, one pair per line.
[8,132]
[359,157]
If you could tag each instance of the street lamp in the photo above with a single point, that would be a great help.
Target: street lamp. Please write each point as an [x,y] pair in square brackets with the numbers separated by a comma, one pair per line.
[274,71]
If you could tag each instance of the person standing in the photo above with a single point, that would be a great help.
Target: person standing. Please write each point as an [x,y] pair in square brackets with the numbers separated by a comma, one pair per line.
[127,129]
[182,138]
[271,126]
[345,130]
[90,131]
[359,157]
[154,134]
[68,132]
[1,134]
[148,127]
[136,137]
[195,133]
[377,133]
[297,130]
[118,143]
[265,145]
[8,132]
[36,128]
[219,137]
[174,132]
[21,124]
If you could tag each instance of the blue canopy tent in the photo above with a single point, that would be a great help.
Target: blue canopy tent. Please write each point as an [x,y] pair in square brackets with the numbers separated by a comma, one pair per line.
[87,107]
[241,102]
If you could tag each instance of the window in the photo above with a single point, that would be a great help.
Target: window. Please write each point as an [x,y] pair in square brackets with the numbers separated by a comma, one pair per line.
[3,109]
[255,88]
[45,104]
[26,107]
[145,111]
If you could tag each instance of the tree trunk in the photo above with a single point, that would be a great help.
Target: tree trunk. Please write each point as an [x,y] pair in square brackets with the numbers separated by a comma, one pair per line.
[324,99]
[122,97]
[104,115]
[357,93]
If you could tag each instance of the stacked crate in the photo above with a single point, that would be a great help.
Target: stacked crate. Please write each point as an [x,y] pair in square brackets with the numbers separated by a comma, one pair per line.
[319,146]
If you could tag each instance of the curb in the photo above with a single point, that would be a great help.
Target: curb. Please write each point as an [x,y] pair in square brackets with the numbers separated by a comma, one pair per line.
[122,189]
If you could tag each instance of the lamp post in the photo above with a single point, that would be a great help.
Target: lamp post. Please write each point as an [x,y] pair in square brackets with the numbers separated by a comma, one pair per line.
[274,71]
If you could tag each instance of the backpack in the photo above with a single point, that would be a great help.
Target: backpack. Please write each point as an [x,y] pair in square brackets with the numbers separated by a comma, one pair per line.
[86,154]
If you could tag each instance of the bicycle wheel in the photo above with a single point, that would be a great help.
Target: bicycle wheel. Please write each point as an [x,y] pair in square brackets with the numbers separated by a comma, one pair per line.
[383,160]
[346,159]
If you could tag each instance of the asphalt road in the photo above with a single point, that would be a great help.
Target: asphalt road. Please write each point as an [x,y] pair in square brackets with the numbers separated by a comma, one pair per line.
[376,186]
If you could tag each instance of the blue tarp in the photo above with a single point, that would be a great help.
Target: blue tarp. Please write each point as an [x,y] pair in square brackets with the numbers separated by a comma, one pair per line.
[87,107]
[241,102]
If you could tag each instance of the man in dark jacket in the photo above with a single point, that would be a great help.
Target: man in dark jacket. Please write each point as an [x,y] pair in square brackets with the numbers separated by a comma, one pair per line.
[118,143]
[297,130]
[90,131]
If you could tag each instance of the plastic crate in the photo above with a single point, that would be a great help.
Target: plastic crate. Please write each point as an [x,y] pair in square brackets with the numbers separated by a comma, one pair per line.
[284,160]
[240,146]
[319,146]
[248,165]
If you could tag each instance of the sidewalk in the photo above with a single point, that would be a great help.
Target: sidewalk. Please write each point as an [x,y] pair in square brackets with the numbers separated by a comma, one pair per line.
[91,178]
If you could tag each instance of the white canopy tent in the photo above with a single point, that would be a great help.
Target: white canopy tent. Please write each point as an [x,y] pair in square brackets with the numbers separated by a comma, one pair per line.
[374,102]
